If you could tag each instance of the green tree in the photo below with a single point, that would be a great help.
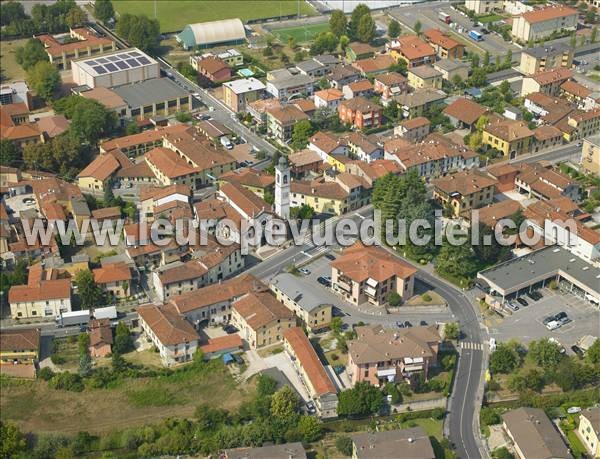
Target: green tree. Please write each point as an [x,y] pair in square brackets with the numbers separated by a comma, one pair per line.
[394,29]
[139,31]
[478,78]
[12,441]
[267,51]
[502,453]
[481,123]
[363,399]
[265,385]
[592,355]
[457,81]
[103,10]
[63,155]
[284,403]
[90,294]
[394,299]
[508,59]
[366,29]
[132,128]
[492,253]
[458,261]
[418,28]
[310,429]
[573,40]
[44,79]
[90,120]
[506,358]
[75,17]
[30,54]
[594,35]
[344,42]
[325,42]
[83,343]
[302,131]
[85,365]
[486,59]
[9,153]
[338,23]
[344,445]
[123,339]
[359,11]
[474,61]
[544,353]
[11,12]
[452,330]
[303,212]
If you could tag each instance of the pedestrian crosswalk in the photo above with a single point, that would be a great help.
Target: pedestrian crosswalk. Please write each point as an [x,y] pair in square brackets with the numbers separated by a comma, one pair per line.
[470,345]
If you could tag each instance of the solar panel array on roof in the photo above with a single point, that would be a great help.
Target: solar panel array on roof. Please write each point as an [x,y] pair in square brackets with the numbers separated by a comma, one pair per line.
[116,62]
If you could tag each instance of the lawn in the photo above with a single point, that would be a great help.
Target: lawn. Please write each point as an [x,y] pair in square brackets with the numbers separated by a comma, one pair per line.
[67,353]
[174,15]
[37,408]
[9,69]
[489,18]
[301,34]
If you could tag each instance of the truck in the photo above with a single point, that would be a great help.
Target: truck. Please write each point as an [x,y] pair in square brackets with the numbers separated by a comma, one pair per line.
[474,35]
[226,142]
[68,319]
[109,312]
[444,17]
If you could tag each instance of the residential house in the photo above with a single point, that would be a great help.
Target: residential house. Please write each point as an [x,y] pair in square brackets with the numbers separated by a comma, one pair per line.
[285,85]
[412,443]
[261,319]
[491,214]
[98,175]
[590,154]
[589,430]
[417,103]
[281,121]
[213,130]
[328,98]
[390,84]
[360,113]
[549,109]
[534,435]
[463,113]
[546,57]
[368,274]
[451,70]
[378,355]
[115,279]
[327,145]
[320,387]
[211,304]
[575,93]
[512,138]
[545,183]
[307,106]
[259,182]
[152,198]
[135,145]
[546,81]
[342,75]
[238,94]
[172,335]
[505,175]
[445,46]
[312,68]
[542,23]
[362,88]
[298,295]
[483,6]
[356,51]
[413,129]
[19,352]
[282,451]
[545,137]
[101,338]
[424,76]
[579,124]
[373,171]
[464,191]
[374,65]
[212,68]
[304,162]
[226,344]
[412,50]
[258,109]
[41,296]
[364,148]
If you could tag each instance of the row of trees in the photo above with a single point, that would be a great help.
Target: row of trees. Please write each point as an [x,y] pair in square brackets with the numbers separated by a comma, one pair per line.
[139,31]
[54,18]
[361,26]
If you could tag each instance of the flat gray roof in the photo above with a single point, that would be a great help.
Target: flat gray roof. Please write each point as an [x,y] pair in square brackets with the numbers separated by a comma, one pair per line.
[149,91]
[298,289]
[521,272]
[549,50]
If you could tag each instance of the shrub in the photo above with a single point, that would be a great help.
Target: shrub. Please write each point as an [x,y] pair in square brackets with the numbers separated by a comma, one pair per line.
[57,359]
[46,374]
[426,297]
[66,381]
[344,445]
[489,416]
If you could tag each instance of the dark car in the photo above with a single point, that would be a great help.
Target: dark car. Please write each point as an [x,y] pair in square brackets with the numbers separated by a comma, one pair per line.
[407,324]
[535,295]
[577,350]
[423,323]
[238,359]
[399,324]
[330,256]
[522,301]
[548,319]
[230,329]
[561,316]
[321,280]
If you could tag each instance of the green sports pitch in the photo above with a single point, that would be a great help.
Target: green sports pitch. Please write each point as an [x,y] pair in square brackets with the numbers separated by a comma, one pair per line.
[174,15]
[301,34]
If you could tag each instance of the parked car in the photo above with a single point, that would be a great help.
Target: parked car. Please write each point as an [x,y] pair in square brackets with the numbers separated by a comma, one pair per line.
[423,323]
[577,350]
[407,324]
[574,410]
[522,301]
[534,295]
[492,344]
[553,325]
[548,319]
[229,329]
[512,306]
[323,281]
[304,271]
[310,407]
[562,318]
[330,256]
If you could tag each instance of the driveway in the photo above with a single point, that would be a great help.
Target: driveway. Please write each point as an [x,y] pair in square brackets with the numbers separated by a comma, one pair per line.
[284,364]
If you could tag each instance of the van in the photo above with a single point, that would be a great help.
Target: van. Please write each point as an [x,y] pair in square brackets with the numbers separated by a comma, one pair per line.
[492,344]
[226,142]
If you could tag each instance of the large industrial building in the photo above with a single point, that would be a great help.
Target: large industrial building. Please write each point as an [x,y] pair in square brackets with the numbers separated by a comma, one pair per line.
[214,33]
[115,69]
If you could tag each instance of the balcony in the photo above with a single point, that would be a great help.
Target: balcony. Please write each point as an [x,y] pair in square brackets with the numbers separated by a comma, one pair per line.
[371,292]
[344,286]
[385,372]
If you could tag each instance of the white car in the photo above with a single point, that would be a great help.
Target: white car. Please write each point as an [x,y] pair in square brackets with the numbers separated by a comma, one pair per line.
[304,271]
[553,325]
[574,410]
[492,344]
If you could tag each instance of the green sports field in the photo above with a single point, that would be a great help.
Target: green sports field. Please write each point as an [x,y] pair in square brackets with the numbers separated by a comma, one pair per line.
[301,34]
[175,14]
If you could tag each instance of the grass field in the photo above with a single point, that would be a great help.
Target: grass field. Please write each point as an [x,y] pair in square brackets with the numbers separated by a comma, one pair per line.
[489,18]
[37,408]
[175,14]
[301,34]
[9,69]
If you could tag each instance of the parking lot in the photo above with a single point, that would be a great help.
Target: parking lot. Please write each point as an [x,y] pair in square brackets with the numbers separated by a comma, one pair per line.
[527,325]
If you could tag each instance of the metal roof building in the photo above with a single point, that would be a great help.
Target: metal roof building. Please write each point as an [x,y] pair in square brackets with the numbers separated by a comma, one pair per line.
[207,34]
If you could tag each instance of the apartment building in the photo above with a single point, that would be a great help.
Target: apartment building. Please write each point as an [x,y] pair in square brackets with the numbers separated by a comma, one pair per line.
[413,129]
[212,68]
[261,319]
[320,387]
[590,154]
[412,443]
[97,176]
[19,352]
[589,430]
[445,46]
[425,76]
[545,183]
[389,84]
[328,98]
[297,294]
[281,121]
[538,24]
[378,355]
[360,88]
[546,57]
[360,113]
[238,94]
[172,335]
[368,274]
[452,69]
[284,84]
[374,65]
[415,104]
[512,138]
[546,81]
[483,6]
[114,279]
[258,182]
[464,191]
[412,50]
[364,148]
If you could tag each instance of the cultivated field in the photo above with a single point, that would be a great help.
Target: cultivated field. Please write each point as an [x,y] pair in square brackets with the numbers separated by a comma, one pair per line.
[175,14]
[301,34]
[37,408]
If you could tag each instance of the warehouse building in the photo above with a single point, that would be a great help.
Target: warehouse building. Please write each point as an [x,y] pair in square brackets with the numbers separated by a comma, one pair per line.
[115,69]
[214,33]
